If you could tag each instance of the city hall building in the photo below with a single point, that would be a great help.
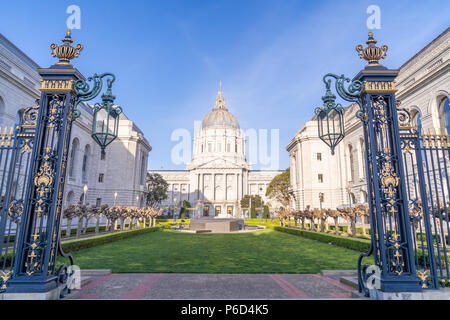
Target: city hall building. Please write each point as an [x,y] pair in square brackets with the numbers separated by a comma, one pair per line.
[218,176]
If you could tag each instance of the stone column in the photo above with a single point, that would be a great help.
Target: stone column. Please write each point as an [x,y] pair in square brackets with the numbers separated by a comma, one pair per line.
[214,185]
[226,190]
[237,187]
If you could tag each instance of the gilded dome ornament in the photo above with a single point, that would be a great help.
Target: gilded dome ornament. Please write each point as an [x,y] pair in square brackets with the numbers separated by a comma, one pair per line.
[66,52]
[220,116]
[372,53]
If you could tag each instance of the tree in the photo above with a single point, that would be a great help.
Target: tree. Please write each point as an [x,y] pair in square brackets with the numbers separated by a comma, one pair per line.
[184,206]
[157,189]
[252,202]
[266,212]
[278,188]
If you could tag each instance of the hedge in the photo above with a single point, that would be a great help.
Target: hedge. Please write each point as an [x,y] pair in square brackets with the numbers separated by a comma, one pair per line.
[180,221]
[79,244]
[345,242]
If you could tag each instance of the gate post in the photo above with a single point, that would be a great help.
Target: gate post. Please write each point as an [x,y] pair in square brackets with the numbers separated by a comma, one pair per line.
[37,246]
[391,233]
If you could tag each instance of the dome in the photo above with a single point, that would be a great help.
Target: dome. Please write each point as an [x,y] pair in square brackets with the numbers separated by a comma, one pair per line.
[220,117]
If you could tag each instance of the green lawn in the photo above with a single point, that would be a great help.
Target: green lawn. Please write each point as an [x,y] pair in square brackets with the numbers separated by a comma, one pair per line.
[265,251]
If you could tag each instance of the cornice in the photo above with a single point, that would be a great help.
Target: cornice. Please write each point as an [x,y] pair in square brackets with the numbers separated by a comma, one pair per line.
[14,80]
[422,81]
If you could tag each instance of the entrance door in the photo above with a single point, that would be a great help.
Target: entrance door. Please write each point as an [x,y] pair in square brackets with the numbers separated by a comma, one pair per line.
[218,210]
[206,211]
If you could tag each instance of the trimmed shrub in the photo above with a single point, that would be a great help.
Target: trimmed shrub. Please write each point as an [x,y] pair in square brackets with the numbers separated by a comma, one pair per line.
[344,242]
[266,213]
[253,213]
[79,244]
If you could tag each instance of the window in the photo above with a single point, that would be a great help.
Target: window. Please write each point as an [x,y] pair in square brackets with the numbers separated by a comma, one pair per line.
[202,148]
[69,198]
[2,110]
[319,157]
[209,147]
[143,169]
[350,163]
[98,202]
[85,166]
[228,147]
[219,147]
[100,177]
[446,109]
[320,177]
[102,155]
[235,147]
[73,157]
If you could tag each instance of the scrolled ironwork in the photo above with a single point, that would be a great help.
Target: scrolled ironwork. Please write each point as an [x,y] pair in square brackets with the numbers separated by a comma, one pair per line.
[351,94]
[85,92]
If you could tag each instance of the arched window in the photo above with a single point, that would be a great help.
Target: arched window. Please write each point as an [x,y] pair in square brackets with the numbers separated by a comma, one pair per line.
[416,119]
[363,160]
[73,157]
[445,107]
[143,169]
[85,167]
[350,163]
[69,198]
[18,116]
[2,110]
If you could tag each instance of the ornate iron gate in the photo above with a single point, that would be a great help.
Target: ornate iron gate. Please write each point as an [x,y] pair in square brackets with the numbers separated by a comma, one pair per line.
[33,161]
[16,145]
[426,162]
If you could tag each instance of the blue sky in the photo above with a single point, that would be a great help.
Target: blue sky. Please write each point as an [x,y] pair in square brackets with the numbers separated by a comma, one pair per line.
[169,56]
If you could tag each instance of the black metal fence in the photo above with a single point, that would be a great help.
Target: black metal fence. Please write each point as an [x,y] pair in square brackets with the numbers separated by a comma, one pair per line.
[16,144]
[426,161]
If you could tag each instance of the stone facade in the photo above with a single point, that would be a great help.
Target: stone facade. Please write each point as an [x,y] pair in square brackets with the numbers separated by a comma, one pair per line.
[218,176]
[123,169]
[423,85]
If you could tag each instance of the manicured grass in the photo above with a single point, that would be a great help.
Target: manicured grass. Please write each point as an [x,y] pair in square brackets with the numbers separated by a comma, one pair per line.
[265,251]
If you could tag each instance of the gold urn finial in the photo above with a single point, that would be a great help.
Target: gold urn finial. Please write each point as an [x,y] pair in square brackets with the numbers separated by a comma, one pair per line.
[372,53]
[66,52]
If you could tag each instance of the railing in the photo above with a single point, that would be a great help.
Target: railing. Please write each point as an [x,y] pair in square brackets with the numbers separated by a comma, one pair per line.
[15,159]
[426,161]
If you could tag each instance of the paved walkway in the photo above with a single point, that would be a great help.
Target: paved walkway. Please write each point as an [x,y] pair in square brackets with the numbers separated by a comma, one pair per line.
[214,286]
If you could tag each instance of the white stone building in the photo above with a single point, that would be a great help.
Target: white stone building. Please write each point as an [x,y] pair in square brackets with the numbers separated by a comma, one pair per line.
[423,85]
[218,176]
[122,170]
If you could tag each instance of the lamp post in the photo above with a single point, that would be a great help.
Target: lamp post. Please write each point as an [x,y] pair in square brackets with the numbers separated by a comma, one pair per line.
[321,195]
[174,207]
[349,193]
[373,89]
[85,190]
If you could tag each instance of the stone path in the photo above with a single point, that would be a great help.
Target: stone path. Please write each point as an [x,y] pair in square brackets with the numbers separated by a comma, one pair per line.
[214,286]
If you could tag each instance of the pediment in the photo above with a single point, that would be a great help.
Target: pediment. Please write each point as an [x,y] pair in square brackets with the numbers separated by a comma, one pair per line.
[220,163]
